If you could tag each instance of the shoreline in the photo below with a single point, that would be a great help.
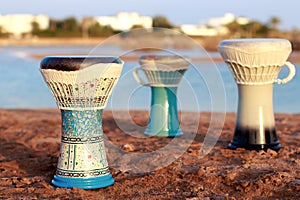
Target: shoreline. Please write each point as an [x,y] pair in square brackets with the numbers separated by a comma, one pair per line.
[131,58]
[44,42]
[4,42]
[294,57]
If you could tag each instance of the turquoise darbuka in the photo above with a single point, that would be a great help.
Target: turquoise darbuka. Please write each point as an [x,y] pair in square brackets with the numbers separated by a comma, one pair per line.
[163,74]
[81,87]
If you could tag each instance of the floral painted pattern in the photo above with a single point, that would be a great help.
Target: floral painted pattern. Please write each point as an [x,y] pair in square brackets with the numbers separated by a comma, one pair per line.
[82,151]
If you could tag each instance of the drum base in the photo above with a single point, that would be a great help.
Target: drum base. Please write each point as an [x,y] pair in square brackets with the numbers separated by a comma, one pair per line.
[164,133]
[84,183]
[274,146]
[255,138]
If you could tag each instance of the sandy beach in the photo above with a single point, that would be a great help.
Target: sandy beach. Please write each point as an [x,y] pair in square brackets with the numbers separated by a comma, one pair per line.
[29,148]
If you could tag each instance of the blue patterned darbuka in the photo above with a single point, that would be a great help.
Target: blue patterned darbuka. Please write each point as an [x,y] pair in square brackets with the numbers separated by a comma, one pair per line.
[82,160]
[81,87]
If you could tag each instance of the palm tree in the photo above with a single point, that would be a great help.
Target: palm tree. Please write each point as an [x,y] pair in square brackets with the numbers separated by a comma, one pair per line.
[274,21]
[234,28]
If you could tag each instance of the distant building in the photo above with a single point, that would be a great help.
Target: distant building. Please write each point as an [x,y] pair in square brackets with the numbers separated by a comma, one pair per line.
[227,19]
[202,30]
[19,24]
[125,21]
[214,26]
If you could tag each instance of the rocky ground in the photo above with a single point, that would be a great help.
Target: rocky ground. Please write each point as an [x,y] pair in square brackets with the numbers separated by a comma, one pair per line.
[150,167]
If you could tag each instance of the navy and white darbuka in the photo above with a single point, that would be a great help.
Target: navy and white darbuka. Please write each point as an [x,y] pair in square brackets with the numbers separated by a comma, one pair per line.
[255,65]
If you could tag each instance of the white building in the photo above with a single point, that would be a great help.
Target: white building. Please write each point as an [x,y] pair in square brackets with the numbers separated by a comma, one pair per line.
[18,24]
[202,30]
[125,21]
[227,19]
[214,27]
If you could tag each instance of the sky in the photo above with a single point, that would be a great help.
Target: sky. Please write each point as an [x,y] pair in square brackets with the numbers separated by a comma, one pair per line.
[177,11]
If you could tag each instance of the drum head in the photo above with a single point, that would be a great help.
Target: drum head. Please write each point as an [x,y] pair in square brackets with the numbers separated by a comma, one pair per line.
[74,63]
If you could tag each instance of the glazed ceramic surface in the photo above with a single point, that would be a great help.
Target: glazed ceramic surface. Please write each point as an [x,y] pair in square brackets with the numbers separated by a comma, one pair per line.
[255,65]
[163,74]
[81,87]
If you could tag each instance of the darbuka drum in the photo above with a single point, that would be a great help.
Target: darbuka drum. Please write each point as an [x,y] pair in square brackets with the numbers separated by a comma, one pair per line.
[255,65]
[163,74]
[81,87]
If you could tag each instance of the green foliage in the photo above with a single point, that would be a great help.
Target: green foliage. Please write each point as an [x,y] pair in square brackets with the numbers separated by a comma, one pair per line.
[251,30]
[97,30]
[274,22]
[136,26]
[2,34]
[68,27]
[162,22]
[235,28]
[35,28]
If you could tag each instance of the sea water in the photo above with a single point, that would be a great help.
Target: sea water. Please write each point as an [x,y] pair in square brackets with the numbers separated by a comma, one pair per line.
[205,86]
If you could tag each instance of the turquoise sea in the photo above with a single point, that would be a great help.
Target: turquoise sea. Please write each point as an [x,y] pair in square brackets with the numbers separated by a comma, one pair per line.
[205,87]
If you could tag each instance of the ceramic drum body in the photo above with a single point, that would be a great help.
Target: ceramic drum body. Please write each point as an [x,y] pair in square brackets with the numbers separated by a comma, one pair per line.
[81,87]
[255,65]
[163,74]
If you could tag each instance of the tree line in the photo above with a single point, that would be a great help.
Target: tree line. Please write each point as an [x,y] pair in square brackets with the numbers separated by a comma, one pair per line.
[255,29]
[88,27]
